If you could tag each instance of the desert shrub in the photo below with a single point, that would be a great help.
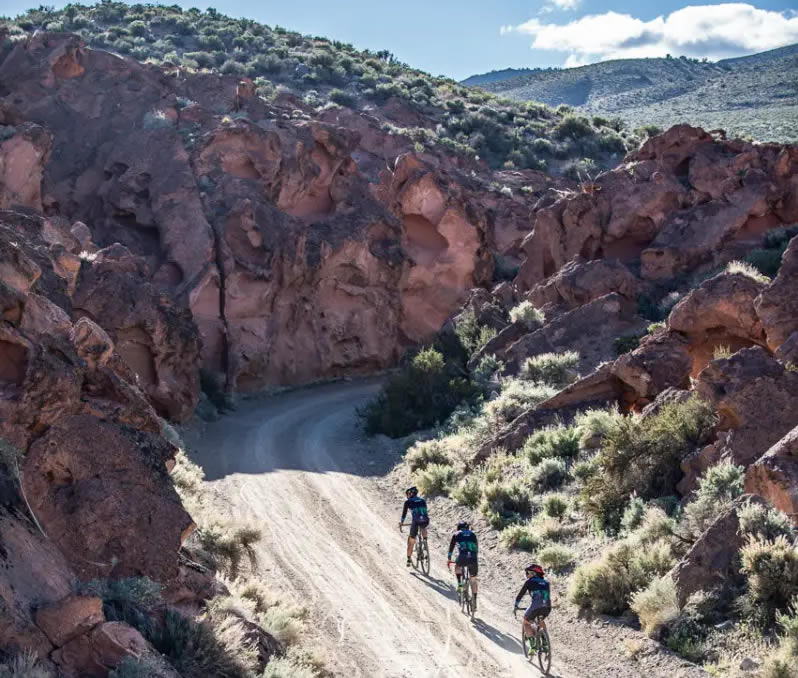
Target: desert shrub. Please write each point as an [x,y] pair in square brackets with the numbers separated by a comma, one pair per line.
[551,529]
[605,585]
[686,633]
[467,492]
[424,453]
[424,392]
[556,557]
[227,546]
[772,571]
[127,600]
[552,442]
[584,469]
[626,343]
[522,537]
[485,372]
[554,369]
[156,119]
[548,474]
[216,646]
[656,605]
[527,315]
[517,396]
[717,488]
[130,667]
[764,522]
[555,505]
[186,476]
[593,425]
[633,514]
[342,98]
[471,334]
[642,456]
[721,352]
[655,525]
[504,501]
[435,479]
[653,328]
[783,663]
[210,386]
[24,665]
[766,262]
[573,127]
[288,667]
[744,268]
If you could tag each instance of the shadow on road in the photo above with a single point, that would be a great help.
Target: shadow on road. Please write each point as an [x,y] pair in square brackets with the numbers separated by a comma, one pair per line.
[501,639]
[438,585]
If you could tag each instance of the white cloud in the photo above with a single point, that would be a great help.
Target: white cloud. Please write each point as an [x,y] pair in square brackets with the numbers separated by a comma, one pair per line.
[565,4]
[713,31]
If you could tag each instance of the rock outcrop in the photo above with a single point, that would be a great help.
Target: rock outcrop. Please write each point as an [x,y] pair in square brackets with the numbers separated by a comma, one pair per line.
[774,476]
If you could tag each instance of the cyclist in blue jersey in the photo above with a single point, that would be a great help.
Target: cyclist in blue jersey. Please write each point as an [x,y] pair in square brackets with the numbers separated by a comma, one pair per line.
[467,556]
[419,519]
[540,597]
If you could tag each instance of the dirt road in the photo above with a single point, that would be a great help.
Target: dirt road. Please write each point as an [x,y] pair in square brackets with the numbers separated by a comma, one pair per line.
[295,465]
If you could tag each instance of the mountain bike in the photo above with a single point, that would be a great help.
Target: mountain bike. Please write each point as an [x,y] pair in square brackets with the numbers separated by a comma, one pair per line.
[539,644]
[421,553]
[466,597]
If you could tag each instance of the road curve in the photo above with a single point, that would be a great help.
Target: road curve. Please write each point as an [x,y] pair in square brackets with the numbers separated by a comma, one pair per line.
[292,464]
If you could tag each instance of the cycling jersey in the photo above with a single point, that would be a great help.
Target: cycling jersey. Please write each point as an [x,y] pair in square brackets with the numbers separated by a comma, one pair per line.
[466,542]
[538,590]
[418,509]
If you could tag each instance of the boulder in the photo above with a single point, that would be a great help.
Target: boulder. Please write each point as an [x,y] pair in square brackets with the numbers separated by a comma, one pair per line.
[774,476]
[755,396]
[96,653]
[82,478]
[712,561]
[777,305]
[68,618]
[92,343]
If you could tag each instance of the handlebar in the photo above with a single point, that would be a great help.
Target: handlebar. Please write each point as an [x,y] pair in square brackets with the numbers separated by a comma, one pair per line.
[401,525]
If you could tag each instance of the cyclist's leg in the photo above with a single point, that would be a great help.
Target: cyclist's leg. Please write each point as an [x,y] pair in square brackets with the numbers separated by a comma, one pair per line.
[411,539]
[473,571]
[529,626]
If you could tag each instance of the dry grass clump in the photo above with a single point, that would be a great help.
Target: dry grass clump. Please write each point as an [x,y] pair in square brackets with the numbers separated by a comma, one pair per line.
[656,605]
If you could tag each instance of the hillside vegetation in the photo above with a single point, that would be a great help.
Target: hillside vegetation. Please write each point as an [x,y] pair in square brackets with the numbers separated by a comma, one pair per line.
[753,96]
[434,111]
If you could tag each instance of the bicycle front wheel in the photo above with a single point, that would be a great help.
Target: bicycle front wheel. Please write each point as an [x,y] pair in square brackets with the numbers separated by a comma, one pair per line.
[424,558]
[526,643]
[544,651]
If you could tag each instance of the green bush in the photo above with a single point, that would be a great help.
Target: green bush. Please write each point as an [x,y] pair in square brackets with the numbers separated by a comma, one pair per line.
[527,315]
[130,667]
[656,605]
[556,557]
[555,505]
[633,514]
[471,334]
[772,572]
[436,479]
[467,492]
[548,474]
[342,98]
[582,470]
[642,456]
[485,372]
[505,501]
[425,391]
[626,343]
[573,127]
[522,537]
[783,663]
[422,454]
[717,488]
[593,425]
[552,442]
[605,585]
[764,522]
[553,369]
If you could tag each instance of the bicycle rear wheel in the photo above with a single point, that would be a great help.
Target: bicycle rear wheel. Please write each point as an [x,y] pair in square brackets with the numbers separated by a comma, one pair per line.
[423,557]
[544,651]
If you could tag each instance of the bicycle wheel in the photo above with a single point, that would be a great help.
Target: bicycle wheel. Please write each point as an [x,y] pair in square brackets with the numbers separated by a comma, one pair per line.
[544,651]
[525,642]
[424,557]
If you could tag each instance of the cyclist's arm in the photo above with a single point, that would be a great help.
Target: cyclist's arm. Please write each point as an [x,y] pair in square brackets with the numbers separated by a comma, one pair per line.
[524,589]
[452,542]
[404,510]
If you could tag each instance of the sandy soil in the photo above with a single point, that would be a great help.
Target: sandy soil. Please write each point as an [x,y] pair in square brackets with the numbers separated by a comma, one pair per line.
[297,465]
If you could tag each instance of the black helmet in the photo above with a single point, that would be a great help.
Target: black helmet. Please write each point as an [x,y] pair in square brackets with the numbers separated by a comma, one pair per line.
[535,568]
[462,525]
[411,491]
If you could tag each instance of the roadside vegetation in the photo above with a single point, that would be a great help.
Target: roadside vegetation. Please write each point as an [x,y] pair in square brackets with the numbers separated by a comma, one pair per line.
[323,72]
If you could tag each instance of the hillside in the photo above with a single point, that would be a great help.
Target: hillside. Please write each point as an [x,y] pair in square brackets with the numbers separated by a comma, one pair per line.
[436,113]
[755,95]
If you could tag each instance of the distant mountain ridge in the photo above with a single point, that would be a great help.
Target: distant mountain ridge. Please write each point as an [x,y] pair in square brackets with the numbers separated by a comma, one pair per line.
[755,95]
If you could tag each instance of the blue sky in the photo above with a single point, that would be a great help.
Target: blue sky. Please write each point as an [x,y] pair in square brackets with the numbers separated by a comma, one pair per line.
[461,37]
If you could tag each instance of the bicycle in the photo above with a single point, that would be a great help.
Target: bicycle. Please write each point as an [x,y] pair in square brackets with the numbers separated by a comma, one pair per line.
[542,643]
[465,596]
[421,553]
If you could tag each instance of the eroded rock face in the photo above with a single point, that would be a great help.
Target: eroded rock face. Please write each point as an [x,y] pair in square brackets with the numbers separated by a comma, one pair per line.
[755,396]
[777,305]
[720,312]
[675,204]
[22,160]
[775,475]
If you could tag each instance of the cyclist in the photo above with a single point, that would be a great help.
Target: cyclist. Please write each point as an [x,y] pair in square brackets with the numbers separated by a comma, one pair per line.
[467,556]
[420,520]
[538,589]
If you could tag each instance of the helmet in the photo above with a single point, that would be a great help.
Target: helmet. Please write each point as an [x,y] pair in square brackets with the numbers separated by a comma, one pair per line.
[462,525]
[411,491]
[535,569]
